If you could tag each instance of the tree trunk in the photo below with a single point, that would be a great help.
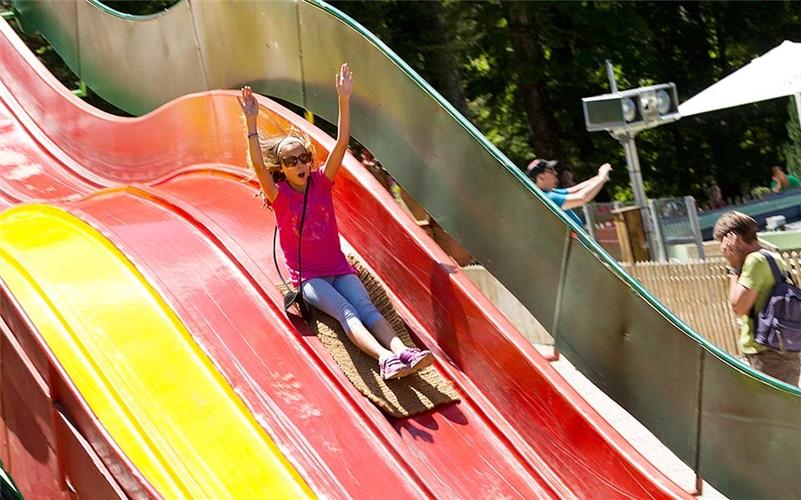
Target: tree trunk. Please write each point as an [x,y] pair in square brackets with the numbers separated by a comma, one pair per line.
[531,90]
[443,65]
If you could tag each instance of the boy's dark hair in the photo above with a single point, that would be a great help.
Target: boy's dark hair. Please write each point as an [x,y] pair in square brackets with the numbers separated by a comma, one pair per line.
[738,223]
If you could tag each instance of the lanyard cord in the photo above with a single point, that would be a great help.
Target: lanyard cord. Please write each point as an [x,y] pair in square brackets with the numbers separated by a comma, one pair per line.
[300,241]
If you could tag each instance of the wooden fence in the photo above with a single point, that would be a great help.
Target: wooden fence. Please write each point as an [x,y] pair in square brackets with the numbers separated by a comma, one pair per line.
[698,293]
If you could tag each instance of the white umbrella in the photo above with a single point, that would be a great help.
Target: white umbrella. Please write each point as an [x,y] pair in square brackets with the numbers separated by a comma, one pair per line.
[777,73]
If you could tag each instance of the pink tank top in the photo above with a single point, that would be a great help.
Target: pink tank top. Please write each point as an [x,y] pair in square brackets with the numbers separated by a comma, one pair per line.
[322,254]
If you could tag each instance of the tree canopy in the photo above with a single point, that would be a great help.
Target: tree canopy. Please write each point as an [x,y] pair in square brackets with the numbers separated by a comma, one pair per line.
[520,70]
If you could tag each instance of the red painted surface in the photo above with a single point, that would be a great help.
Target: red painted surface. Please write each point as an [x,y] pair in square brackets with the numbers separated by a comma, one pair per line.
[49,399]
[87,474]
[231,307]
[29,426]
[201,238]
[4,456]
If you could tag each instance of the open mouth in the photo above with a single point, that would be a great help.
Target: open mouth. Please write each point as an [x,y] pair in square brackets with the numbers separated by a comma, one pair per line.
[302,175]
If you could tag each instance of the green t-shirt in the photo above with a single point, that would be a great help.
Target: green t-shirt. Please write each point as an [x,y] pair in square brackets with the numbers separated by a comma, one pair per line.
[792,183]
[757,276]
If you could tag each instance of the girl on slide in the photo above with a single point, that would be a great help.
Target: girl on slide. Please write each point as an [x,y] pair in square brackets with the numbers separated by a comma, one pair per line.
[284,166]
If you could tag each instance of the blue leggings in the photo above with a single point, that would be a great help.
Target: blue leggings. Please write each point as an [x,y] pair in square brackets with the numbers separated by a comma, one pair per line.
[342,297]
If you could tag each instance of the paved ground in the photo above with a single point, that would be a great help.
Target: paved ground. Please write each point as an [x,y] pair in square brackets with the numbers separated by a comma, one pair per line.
[634,432]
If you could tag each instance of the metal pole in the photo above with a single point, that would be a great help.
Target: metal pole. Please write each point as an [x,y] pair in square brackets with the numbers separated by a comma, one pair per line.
[610,72]
[635,177]
[633,167]
[692,214]
[589,216]
[660,240]
[627,140]
[560,290]
[699,425]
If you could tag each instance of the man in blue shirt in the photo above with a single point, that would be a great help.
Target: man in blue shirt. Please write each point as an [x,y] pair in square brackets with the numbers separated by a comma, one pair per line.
[543,173]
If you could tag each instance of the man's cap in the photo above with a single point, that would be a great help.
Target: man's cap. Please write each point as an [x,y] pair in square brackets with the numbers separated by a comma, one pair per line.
[538,166]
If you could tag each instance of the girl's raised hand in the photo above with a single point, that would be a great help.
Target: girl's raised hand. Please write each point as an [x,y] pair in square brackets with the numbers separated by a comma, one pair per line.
[344,81]
[248,103]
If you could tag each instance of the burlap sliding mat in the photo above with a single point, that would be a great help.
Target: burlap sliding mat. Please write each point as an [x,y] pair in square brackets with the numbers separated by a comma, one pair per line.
[404,397]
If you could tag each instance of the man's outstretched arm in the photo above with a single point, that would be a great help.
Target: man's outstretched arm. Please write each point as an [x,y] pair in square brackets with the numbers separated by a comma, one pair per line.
[589,189]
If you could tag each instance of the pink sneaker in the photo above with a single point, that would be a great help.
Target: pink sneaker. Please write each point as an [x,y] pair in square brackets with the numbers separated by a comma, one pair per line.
[416,359]
[392,367]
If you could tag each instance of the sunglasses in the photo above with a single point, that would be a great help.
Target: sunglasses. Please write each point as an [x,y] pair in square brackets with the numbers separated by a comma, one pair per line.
[292,161]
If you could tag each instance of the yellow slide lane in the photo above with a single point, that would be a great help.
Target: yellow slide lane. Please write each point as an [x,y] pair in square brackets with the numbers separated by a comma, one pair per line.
[135,363]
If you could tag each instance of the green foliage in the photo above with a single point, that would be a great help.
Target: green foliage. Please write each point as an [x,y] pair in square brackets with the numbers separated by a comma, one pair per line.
[760,192]
[792,148]
[691,44]
[489,58]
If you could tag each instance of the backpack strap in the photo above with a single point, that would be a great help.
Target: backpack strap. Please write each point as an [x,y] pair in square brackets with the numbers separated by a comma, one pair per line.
[778,277]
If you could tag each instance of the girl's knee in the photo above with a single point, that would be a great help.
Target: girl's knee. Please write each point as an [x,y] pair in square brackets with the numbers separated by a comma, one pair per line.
[363,314]
[370,315]
[360,299]
[367,311]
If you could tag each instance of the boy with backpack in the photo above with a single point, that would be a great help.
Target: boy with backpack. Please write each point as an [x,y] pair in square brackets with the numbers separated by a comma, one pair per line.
[762,307]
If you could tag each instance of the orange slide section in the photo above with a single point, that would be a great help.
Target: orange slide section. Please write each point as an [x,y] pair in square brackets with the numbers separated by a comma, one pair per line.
[168,191]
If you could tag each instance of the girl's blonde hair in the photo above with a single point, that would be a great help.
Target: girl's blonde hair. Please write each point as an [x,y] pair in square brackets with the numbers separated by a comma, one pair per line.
[271,147]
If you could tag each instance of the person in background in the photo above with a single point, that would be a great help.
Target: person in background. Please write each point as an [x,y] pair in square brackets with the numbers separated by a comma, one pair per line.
[716,200]
[781,181]
[543,173]
[565,174]
[374,167]
[452,247]
[750,286]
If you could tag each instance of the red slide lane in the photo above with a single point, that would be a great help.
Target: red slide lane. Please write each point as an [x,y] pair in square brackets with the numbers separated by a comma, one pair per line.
[222,301]
[204,242]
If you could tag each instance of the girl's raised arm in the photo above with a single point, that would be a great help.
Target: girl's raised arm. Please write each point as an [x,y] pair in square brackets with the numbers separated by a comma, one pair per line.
[250,108]
[344,84]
